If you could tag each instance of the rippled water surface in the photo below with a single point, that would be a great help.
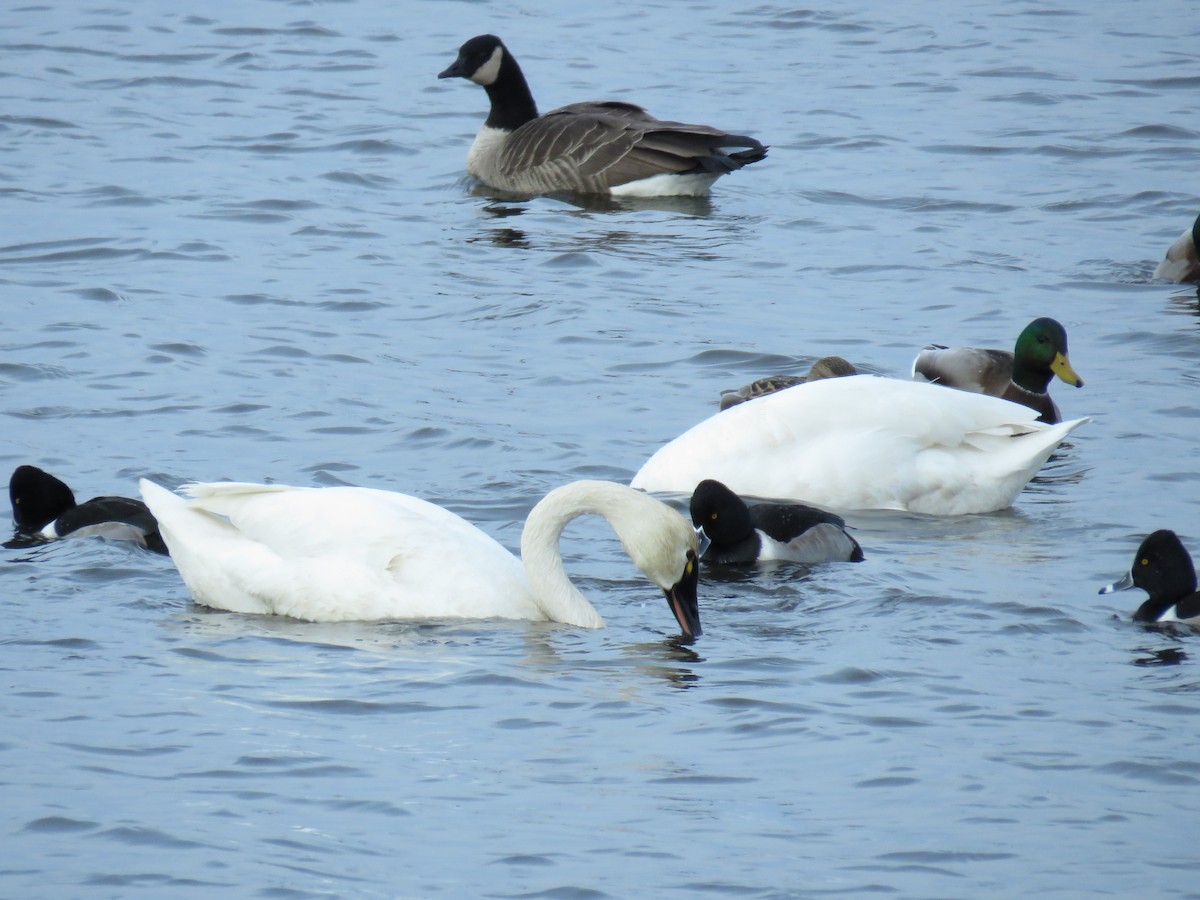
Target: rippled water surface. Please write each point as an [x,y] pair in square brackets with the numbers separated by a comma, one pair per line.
[237,243]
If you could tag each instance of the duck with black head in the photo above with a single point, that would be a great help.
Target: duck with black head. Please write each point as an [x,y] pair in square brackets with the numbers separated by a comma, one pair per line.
[739,533]
[44,509]
[1163,569]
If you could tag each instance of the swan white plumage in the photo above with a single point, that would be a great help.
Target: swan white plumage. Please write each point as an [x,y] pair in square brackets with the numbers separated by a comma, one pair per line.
[864,442]
[349,553]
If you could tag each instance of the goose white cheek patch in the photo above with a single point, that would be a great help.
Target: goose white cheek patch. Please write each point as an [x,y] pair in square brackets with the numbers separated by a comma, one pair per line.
[487,73]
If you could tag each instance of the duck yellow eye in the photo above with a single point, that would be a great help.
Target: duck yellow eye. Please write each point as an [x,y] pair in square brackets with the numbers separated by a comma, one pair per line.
[713,517]
[1145,562]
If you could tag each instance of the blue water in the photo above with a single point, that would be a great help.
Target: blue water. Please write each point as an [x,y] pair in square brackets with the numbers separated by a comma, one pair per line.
[237,243]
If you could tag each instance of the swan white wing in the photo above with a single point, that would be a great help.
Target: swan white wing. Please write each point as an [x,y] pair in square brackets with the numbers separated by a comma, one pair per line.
[335,554]
[864,442]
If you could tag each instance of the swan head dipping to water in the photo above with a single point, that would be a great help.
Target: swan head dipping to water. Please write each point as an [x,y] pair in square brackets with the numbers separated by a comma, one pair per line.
[349,553]
[661,543]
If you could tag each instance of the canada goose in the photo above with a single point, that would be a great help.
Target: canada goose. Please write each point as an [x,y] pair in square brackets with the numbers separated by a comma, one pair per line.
[44,509]
[864,442]
[597,147]
[741,533]
[1163,569]
[1182,262]
[825,367]
[348,553]
[1022,375]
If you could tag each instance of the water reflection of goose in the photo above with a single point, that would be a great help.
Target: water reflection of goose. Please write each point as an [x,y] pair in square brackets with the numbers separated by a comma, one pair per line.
[864,442]
[346,553]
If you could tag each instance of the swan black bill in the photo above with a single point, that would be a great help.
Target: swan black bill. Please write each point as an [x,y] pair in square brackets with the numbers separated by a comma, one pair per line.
[681,597]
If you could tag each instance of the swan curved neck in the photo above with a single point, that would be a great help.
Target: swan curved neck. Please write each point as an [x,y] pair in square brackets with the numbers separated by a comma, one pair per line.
[552,589]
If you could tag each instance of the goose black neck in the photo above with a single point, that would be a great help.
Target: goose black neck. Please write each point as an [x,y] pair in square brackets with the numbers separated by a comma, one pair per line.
[512,101]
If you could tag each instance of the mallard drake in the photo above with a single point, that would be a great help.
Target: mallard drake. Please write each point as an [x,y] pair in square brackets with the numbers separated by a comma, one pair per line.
[864,442]
[1022,376]
[349,553]
[598,147]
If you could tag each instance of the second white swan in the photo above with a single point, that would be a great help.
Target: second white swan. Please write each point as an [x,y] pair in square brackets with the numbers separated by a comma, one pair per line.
[864,442]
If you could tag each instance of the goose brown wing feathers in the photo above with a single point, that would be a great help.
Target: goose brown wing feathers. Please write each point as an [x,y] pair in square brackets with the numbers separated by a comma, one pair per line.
[610,143]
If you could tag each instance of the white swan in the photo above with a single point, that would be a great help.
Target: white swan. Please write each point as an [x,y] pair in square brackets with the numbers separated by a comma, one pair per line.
[347,553]
[864,442]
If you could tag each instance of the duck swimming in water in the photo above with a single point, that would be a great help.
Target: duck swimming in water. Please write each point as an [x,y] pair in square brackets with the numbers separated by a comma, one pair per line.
[1022,375]
[825,367]
[742,534]
[1182,262]
[44,509]
[1162,568]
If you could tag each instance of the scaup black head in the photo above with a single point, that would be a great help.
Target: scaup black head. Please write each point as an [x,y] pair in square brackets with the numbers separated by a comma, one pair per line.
[38,498]
[1162,568]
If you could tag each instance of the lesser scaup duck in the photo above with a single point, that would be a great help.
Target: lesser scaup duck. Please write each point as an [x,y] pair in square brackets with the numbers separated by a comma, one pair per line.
[1163,569]
[44,509]
[864,442]
[349,553]
[741,534]
[1022,375]
[825,367]
[600,147]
